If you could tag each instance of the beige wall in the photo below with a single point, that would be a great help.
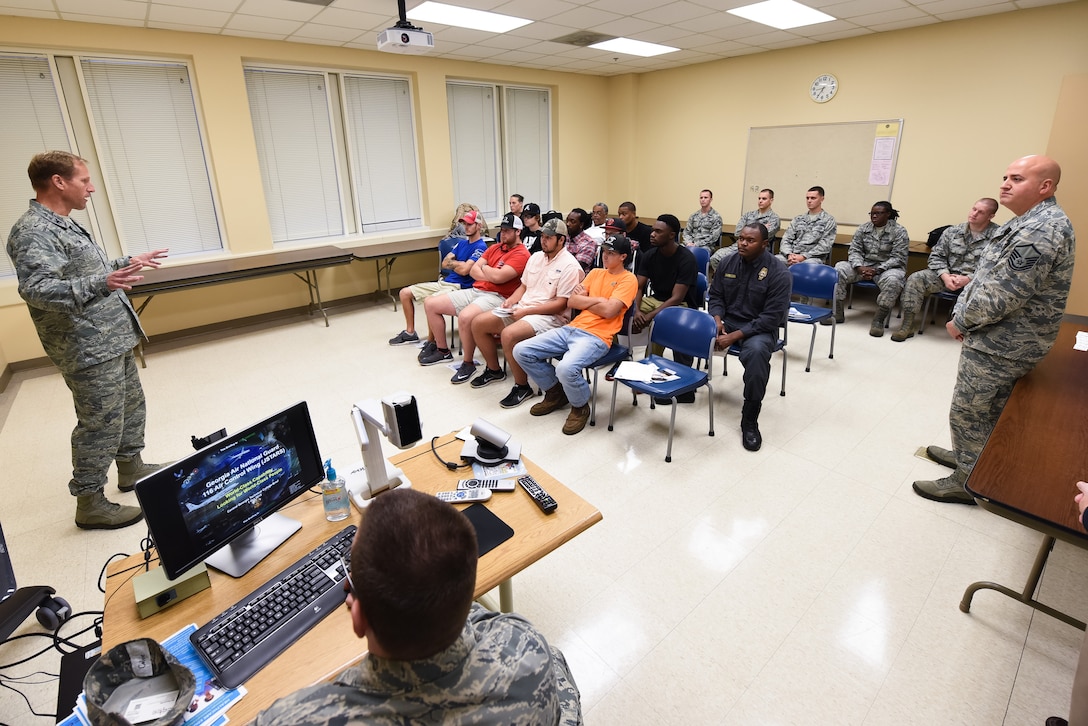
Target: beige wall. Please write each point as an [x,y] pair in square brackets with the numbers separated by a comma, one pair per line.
[971,94]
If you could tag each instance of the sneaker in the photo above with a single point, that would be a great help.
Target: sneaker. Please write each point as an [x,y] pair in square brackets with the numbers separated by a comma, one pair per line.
[438,355]
[576,419]
[488,376]
[949,489]
[464,372]
[428,348]
[517,396]
[404,338]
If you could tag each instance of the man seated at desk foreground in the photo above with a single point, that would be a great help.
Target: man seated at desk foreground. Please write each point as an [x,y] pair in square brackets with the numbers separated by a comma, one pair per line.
[434,656]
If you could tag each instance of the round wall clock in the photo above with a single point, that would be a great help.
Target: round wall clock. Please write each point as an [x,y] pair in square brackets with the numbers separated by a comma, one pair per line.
[824,88]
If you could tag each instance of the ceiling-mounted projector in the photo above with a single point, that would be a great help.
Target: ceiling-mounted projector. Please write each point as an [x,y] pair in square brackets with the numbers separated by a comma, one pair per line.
[405,40]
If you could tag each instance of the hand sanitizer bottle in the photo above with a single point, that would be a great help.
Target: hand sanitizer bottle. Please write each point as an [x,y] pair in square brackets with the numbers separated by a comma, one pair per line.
[334,495]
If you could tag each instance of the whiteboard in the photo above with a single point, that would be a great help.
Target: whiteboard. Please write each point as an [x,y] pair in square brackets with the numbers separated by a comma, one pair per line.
[854,162]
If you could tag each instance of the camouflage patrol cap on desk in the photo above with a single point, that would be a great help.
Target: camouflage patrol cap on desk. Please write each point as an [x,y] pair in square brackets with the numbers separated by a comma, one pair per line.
[137,660]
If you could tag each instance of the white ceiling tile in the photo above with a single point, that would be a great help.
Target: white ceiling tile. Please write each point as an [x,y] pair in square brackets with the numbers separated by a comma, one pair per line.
[893,16]
[352,19]
[462,35]
[181,27]
[724,5]
[586,19]
[903,24]
[789,43]
[674,12]
[283,9]
[1024,4]
[83,18]
[664,34]
[379,7]
[514,56]
[722,47]
[976,12]
[711,21]
[624,7]
[127,9]
[855,31]
[254,34]
[544,47]
[630,27]
[227,6]
[534,9]
[188,16]
[314,41]
[473,51]
[256,24]
[507,41]
[7,5]
[327,32]
[545,30]
[951,6]
[848,10]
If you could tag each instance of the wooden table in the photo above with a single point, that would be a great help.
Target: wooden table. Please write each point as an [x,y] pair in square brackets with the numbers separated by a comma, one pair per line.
[302,263]
[385,254]
[331,646]
[1028,470]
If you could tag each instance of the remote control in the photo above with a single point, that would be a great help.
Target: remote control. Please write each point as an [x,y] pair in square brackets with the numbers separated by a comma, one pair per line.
[499,485]
[465,495]
[541,497]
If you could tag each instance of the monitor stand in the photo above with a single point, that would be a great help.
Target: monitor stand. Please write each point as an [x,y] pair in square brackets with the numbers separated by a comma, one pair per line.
[240,556]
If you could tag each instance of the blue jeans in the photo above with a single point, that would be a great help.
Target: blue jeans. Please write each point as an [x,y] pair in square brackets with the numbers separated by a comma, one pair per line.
[578,349]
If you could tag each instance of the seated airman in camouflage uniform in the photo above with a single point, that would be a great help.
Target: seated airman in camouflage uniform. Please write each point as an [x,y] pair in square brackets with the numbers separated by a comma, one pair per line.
[762,214]
[810,236]
[1007,318]
[878,254]
[88,329]
[951,264]
[435,656]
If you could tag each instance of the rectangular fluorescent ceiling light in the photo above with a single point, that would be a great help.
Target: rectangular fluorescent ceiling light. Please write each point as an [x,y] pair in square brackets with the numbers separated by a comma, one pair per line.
[634,47]
[432,12]
[781,14]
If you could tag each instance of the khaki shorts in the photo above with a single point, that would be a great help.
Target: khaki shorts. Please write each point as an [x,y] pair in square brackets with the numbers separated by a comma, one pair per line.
[423,290]
[539,323]
[461,299]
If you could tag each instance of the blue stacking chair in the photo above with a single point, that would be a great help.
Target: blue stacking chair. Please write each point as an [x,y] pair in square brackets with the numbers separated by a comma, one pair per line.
[702,257]
[686,331]
[617,353]
[868,284]
[701,290]
[779,347]
[931,306]
[814,281]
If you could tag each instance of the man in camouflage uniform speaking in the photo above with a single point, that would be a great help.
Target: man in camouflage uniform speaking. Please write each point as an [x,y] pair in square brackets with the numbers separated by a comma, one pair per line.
[1008,316]
[88,328]
[435,657]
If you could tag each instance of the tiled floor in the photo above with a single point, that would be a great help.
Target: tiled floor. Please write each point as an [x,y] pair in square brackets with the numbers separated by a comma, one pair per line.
[803,584]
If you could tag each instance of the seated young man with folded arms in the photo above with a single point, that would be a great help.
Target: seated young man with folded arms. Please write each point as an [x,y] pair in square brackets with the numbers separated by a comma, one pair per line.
[603,298]
[497,274]
[538,305]
[434,656]
[459,261]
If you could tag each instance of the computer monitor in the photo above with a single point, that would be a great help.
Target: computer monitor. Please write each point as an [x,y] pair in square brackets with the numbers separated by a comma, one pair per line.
[219,505]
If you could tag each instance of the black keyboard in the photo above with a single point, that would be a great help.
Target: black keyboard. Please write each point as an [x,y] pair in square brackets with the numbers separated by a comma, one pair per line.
[246,636]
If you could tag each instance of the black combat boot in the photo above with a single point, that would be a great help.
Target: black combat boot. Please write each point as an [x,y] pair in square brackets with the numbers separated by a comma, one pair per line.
[749,425]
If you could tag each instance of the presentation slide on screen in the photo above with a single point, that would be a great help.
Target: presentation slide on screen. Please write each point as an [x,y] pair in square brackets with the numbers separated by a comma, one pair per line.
[234,486]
